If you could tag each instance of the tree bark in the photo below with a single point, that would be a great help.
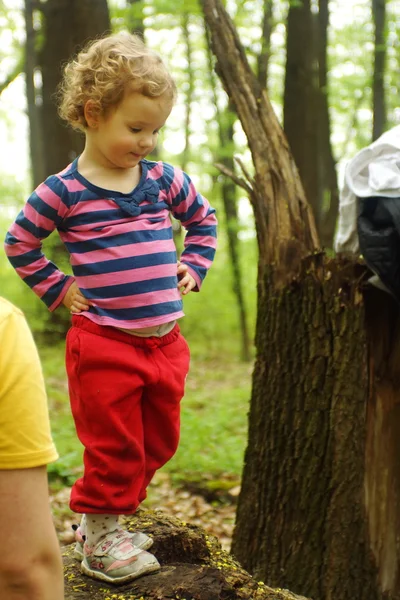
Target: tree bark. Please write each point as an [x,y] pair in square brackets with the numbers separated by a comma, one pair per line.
[34,100]
[265,52]
[68,24]
[224,155]
[329,195]
[194,567]
[301,105]
[319,508]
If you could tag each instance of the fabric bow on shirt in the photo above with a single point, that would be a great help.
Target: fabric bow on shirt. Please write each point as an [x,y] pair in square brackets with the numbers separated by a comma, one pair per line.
[148,191]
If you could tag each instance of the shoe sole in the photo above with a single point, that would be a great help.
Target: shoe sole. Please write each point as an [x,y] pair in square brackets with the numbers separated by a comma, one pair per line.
[146,569]
[78,554]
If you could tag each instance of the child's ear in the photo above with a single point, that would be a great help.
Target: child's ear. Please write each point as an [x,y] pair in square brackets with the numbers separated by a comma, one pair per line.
[92,113]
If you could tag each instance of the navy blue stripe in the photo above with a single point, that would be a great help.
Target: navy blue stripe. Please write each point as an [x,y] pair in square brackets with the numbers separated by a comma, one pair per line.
[121,239]
[153,310]
[202,230]
[201,271]
[193,208]
[110,215]
[183,192]
[22,260]
[167,177]
[37,232]
[124,264]
[44,209]
[54,292]
[11,239]
[93,217]
[57,186]
[41,275]
[131,289]
[205,251]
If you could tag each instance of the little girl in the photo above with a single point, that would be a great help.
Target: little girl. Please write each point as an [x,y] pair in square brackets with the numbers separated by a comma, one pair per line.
[126,359]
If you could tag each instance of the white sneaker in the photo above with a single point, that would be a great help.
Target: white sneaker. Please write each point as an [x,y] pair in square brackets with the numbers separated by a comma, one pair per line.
[139,539]
[115,559]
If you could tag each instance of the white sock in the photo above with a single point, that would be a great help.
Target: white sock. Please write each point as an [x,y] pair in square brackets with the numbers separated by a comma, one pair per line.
[94,527]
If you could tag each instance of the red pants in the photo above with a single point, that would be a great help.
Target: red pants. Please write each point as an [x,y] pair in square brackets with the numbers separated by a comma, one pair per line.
[125,396]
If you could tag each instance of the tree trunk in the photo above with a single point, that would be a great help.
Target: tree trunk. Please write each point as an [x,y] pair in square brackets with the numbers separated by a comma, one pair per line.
[229,199]
[265,52]
[68,24]
[224,156]
[194,567]
[378,86]
[34,100]
[330,193]
[301,106]
[135,20]
[319,508]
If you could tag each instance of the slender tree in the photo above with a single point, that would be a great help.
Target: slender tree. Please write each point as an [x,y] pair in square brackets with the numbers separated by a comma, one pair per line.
[67,25]
[265,53]
[378,86]
[135,17]
[300,108]
[34,99]
[226,119]
[329,195]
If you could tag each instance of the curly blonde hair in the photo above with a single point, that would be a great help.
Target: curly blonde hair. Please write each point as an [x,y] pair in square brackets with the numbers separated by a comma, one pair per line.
[102,71]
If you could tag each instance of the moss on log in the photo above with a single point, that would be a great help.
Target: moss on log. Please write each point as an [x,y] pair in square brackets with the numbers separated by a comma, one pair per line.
[193,567]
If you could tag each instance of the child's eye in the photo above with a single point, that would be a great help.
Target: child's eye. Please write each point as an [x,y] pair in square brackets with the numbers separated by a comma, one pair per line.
[134,130]
[156,131]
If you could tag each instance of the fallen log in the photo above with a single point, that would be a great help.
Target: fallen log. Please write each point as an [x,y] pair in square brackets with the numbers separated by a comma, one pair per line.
[193,567]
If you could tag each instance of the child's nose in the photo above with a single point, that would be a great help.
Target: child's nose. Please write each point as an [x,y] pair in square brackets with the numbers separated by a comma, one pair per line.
[146,141]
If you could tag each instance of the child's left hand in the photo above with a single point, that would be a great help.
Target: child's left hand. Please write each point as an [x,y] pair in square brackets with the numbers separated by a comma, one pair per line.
[185,281]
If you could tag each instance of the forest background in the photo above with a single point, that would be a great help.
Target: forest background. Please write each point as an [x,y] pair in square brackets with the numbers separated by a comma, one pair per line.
[359,83]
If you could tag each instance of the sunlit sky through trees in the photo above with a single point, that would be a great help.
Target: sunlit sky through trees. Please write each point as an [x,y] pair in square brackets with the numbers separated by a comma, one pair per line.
[348,18]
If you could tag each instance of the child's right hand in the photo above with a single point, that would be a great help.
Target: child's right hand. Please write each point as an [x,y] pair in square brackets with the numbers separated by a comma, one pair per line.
[74,300]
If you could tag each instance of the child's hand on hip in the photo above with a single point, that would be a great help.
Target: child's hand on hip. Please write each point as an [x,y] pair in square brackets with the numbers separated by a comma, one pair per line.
[185,280]
[74,300]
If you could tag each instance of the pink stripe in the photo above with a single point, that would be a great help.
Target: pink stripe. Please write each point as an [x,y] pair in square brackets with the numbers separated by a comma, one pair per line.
[114,229]
[128,251]
[43,286]
[72,185]
[24,237]
[61,295]
[200,216]
[37,219]
[157,172]
[131,276]
[137,300]
[191,197]
[207,241]
[196,259]
[51,198]
[177,183]
[135,323]
[32,268]
[92,206]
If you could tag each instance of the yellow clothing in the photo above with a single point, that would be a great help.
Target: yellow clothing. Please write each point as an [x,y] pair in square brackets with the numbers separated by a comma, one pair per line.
[25,438]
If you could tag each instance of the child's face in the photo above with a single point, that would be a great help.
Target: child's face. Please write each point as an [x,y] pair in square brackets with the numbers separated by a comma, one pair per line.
[129,132]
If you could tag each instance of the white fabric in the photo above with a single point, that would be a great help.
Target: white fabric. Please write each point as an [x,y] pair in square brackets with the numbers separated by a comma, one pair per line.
[374,171]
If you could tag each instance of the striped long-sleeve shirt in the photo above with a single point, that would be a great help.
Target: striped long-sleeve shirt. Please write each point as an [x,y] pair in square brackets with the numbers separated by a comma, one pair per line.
[121,246]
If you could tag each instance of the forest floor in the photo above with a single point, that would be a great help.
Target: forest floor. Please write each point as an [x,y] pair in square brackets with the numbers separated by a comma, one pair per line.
[213,510]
